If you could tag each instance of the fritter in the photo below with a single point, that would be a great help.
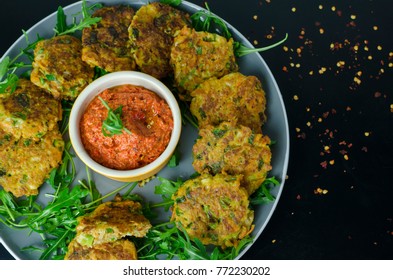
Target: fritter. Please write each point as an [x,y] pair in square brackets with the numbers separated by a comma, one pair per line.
[151,33]
[235,97]
[29,112]
[213,209]
[233,150]
[111,221]
[118,250]
[106,44]
[198,56]
[25,163]
[58,67]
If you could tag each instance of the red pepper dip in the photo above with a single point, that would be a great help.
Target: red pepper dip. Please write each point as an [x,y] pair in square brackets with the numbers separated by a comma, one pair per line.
[144,113]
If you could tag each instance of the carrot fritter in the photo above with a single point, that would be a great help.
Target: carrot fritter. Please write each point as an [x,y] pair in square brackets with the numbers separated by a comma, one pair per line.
[106,44]
[213,209]
[118,250]
[199,56]
[29,112]
[111,221]
[25,164]
[233,150]
[58,67]
[151,33]
[235,97]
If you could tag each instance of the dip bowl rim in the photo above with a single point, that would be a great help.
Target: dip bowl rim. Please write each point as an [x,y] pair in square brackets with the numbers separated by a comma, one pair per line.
[115,79]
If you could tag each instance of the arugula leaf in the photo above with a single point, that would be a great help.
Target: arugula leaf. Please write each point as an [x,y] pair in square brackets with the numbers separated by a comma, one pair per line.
[205,20]
[86,21]
[241,50]
[262,194]
[166,189]
[61,25]
[168,241]
[113,124]
[171,2]
[175,158]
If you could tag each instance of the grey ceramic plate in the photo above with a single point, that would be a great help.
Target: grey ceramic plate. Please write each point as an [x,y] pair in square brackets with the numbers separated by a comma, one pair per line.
[276,128]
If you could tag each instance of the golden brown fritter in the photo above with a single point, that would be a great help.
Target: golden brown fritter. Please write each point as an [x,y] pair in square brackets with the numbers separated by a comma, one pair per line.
[151,33]
[106,44]
[233,150]
[111,221]
[29,112]
[25,164]
[199,56]
[213,209]
[236,98]
[118,250]
[58,67]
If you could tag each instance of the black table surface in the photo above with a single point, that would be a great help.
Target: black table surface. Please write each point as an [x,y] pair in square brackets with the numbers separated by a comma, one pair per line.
[335,75]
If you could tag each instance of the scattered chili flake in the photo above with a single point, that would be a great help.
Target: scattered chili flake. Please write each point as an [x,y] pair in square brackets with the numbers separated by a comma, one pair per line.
[324,164]
[321,31]
[346,157]
[364,149]
[298,197]
[331,162]
[375,27]
[320,191]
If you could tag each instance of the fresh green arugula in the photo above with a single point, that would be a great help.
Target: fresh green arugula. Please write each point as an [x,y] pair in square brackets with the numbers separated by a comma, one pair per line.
[87,20]
[173,3]
[10,69]
[113,124]
[168,241]
[262,195]
[205,20]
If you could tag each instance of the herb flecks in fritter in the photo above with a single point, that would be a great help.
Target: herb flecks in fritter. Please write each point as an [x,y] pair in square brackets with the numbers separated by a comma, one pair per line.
[106,44]
[151,33]
[235,98]
[233,150]
[99,235]
[26,163]
[58,67]
[199,56]
[111,221]
[29,112]
[213,209]
[122,249]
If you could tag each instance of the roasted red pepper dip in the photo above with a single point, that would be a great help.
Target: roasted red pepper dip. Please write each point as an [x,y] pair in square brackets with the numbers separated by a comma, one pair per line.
[144,113]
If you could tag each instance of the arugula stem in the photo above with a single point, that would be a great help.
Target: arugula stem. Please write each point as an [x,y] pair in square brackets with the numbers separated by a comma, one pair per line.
[54,246]
[111,193]
[162,204]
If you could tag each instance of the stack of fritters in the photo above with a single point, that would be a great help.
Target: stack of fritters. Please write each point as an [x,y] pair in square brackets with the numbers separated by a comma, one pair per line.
[101,234]
[151,33]
[106,44]
[233,150]
[199,56]
[30,142]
